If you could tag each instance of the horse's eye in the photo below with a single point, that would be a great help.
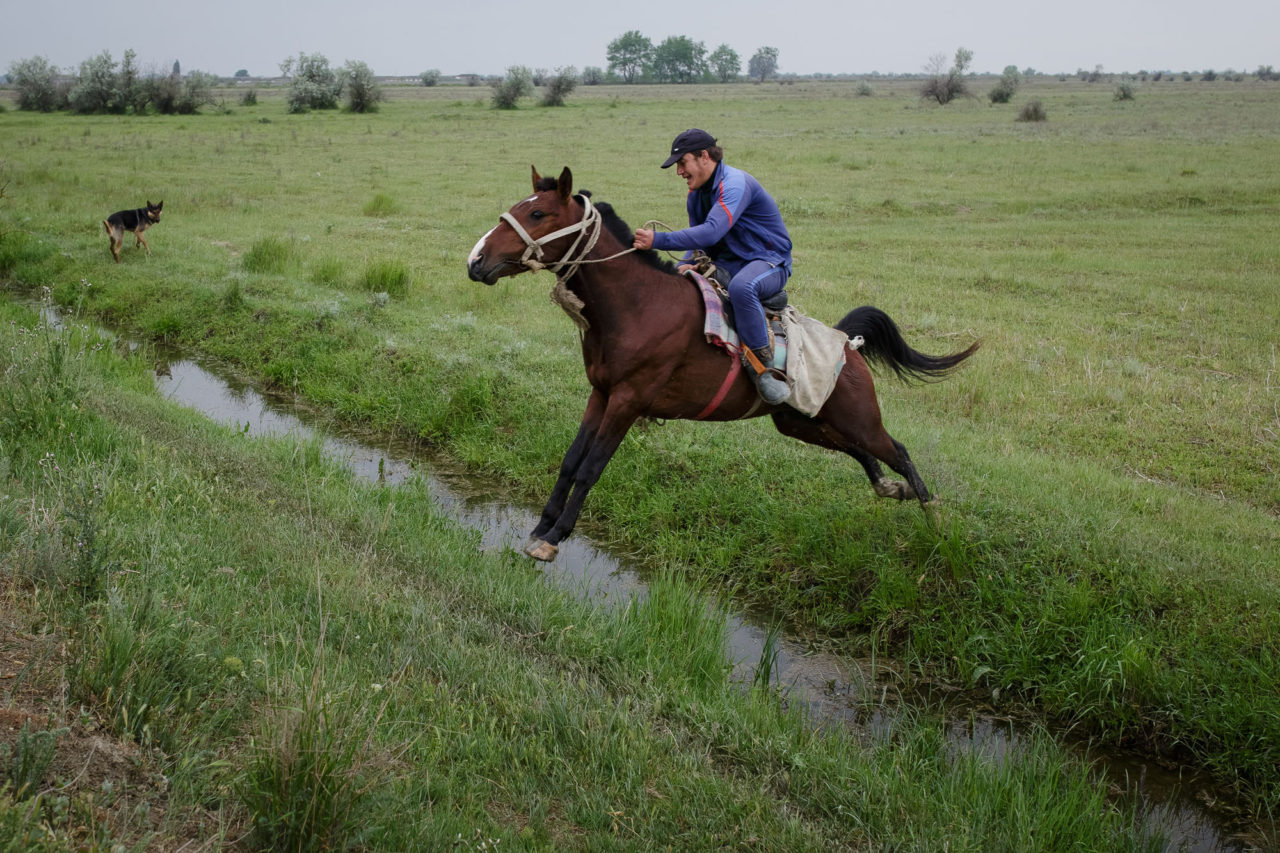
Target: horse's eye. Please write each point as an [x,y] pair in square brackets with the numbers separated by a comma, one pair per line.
[537,214]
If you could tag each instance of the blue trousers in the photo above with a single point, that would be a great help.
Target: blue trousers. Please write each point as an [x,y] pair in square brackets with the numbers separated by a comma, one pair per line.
[755,281]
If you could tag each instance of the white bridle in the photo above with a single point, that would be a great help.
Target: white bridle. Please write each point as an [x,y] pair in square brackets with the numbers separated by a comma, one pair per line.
[587,228]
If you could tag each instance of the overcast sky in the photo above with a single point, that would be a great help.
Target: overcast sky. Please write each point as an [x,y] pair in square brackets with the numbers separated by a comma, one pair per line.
[487,36]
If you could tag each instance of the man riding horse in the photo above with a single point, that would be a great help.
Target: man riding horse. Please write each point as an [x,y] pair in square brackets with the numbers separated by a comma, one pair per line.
[737,224]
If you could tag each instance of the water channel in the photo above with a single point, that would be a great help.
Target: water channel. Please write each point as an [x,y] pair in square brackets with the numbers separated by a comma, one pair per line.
[833,689]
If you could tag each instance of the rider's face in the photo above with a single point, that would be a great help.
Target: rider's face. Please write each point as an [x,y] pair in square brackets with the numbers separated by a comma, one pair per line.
[696,168]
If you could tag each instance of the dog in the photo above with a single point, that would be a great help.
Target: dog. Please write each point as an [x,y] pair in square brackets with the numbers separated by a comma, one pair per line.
[136,220]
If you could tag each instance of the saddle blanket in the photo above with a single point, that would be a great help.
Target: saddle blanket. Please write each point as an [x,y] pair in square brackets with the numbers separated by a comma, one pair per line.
[810,352]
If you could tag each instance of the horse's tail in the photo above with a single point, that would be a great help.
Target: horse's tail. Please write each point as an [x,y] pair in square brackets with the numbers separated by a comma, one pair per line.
[883,344]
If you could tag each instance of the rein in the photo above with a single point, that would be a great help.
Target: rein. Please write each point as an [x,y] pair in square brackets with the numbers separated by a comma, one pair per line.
[588,231]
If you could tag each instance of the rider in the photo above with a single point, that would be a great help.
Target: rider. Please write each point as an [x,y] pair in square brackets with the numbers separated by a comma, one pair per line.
[737,224]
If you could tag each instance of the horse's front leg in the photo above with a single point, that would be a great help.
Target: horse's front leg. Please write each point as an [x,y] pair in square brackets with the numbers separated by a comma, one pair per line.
[582,467]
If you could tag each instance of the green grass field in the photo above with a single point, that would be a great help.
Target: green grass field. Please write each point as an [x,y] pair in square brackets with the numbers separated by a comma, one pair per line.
[1107,464]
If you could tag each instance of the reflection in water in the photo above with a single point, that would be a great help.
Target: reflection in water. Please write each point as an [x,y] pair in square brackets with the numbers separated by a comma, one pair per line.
[833,689]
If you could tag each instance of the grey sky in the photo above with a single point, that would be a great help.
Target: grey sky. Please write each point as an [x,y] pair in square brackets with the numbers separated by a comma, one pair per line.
[487,36]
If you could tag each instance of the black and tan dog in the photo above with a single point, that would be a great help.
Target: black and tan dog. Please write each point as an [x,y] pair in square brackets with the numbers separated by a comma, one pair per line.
[136,220]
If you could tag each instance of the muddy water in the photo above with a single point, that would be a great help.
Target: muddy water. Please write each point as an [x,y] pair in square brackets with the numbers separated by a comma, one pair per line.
[833,689]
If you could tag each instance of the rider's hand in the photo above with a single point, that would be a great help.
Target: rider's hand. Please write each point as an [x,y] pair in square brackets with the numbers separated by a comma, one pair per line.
[643,240]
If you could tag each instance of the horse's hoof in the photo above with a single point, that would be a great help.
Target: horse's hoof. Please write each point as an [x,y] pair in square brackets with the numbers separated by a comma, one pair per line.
[895,489]
[541,550]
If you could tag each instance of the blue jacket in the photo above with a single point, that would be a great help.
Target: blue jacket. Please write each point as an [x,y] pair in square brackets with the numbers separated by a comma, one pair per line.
[734,220]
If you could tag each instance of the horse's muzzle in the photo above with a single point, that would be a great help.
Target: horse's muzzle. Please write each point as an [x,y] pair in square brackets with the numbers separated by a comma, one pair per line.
[477,272]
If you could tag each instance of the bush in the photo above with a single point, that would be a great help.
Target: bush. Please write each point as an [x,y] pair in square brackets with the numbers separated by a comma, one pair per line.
[96,89]
[1007,87]
[430,77]
[508,90]
[363,91]
[1032,111]
[36,82]
[864,90]
[945,85]
[249,98]
[1124,91]
[559,87]
[196,91]
[592,76]
[314,85]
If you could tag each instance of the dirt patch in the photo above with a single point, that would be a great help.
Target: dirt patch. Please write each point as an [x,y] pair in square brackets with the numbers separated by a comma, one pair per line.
[97,786]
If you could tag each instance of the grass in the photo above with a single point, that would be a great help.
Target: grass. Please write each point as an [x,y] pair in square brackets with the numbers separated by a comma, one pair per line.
[349,671]
[1107,464]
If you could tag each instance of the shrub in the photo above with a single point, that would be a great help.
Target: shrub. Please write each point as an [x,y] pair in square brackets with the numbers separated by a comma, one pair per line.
[559,87]
[95,90]
[314,85]
[1032,110]
[864,90]
[363,91]
[431,77]
[592,75]
[36,82]
[508,90]
[945,85]
[249,98]
[1124,91]
[195,91]
[1007,86]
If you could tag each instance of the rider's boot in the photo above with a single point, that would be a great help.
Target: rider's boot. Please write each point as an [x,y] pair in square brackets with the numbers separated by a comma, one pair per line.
[772,389]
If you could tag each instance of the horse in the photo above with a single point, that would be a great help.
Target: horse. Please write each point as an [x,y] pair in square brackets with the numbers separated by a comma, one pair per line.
[646,355]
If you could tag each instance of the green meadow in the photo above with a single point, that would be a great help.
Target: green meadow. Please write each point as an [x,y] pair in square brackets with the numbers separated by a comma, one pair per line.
[1105,558]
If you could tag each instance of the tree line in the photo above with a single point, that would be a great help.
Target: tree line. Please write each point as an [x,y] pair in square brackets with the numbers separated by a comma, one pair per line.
[102,85]
[679,59]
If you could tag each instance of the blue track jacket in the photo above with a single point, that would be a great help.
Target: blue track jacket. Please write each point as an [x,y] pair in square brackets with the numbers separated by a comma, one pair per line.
[734,220]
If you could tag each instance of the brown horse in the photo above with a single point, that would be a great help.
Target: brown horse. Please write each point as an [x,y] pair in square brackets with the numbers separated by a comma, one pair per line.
[646,354]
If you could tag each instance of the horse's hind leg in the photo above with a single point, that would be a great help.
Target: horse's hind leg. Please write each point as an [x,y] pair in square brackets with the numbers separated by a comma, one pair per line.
[883,446]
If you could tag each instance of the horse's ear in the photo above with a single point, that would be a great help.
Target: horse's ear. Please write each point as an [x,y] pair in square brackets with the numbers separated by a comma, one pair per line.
[565,185]
[536,177]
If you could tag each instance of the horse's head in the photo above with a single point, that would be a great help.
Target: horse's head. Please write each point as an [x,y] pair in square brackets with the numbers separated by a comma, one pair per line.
[524,239]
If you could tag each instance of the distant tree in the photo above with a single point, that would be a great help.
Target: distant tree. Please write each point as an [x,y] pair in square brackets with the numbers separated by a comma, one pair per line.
[243,72]
[1007,86]
[944,84]
[629,54]
[314,86]
[725,63]
[763,64]
[430,77]
[177,68]
[559,86]
[592,76]
[361,87]
[509,89]
[679,59]
[36,82]
[1266,72]
[1124,91]
[95,90]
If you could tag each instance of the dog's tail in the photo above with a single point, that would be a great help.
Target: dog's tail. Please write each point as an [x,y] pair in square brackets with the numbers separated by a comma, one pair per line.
[106,225]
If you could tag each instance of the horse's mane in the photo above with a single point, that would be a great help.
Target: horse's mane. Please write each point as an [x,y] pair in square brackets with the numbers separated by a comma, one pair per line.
[621,231]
